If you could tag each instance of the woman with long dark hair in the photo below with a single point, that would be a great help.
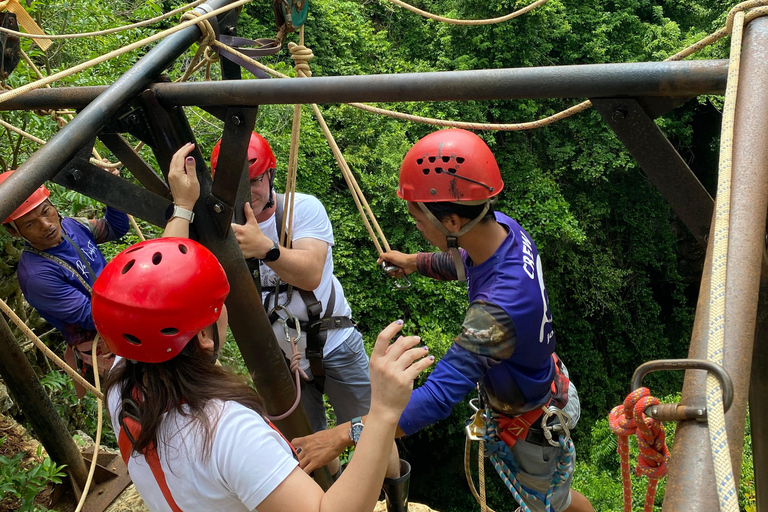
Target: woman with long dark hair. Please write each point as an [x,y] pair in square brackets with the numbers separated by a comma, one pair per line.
[192,434]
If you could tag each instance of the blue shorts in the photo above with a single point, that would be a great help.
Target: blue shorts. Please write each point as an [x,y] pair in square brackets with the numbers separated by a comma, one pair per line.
[347,384]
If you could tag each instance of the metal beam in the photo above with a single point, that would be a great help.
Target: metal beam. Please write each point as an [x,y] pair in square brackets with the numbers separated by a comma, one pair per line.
[758,390]
[46,423]
[687,78]
[49,159]
[661,162]
[691,481]
[140,169]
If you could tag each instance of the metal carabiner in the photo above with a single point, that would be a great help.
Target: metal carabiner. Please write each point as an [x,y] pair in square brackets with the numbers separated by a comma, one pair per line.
[284,322]
[562,416]
[391,270]
[475,429]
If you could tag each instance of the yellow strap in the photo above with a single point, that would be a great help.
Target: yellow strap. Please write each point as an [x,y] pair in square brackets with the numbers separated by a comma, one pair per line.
[26,21]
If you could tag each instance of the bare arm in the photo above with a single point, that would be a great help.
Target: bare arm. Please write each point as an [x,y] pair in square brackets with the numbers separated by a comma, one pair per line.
[182,180]
[301,266]
[393,368]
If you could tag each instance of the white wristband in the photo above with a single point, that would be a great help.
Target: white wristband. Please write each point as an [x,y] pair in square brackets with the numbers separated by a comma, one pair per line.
[183,213]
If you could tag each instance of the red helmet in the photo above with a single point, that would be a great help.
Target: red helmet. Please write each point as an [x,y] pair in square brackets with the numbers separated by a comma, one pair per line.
[449,165]
[153,297]
[32,202]
[260,156]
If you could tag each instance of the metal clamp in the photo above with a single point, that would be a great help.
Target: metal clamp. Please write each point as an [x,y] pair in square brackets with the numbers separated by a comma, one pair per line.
[475,428]
[562,416]
[679,412]
[391,270]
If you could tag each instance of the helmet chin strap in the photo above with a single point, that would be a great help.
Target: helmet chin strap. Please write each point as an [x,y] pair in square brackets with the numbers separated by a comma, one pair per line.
[453,237]
[215,342]
[271,201]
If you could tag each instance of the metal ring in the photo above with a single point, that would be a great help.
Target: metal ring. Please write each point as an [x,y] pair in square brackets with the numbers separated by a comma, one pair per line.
[687,364]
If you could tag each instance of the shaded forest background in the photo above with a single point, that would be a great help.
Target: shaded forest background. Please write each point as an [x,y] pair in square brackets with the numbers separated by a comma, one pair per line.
[621,271]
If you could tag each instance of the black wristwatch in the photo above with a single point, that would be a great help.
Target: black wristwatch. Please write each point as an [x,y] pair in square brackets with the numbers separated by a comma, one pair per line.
[273,253]
[356,429]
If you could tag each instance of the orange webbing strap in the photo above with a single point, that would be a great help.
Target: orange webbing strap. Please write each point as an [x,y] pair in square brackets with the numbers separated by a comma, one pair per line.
[295,453]
[132,427]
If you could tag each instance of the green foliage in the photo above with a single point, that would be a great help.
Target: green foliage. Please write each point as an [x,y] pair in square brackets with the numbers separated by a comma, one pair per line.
[26,480]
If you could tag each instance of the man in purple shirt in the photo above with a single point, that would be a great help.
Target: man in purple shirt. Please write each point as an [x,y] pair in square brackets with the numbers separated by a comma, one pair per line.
[58,266]
[507,343]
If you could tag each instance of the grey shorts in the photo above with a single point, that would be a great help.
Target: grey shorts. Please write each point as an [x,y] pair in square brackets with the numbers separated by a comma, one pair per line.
[538,463]
[347,384]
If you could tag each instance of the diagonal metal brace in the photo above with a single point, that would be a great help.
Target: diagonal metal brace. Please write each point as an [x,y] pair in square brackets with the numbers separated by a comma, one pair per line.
[663,165]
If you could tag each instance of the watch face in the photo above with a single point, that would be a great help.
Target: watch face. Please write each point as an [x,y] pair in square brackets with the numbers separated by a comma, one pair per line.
[273,253]
[355,431]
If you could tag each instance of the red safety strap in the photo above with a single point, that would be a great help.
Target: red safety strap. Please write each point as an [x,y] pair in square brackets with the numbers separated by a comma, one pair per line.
[512,429]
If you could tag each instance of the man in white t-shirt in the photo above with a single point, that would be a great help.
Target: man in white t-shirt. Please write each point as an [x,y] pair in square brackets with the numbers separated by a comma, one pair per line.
[307,266]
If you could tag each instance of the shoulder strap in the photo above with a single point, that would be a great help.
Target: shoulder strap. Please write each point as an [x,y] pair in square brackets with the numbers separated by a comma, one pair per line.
[130,428]
[64,264]
[80,254]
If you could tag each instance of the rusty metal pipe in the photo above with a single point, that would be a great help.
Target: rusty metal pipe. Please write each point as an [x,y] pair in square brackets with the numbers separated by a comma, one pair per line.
[50,158]
[757,392]
[46,423]
[688,78]
[691,481]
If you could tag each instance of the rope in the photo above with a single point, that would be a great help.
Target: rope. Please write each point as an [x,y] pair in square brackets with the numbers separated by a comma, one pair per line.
[115,53]
[629,419]
[107,31]
[48,352]
[481,475]
[97,441]
[724,478]
[297,372]
[468,472]
[453,21]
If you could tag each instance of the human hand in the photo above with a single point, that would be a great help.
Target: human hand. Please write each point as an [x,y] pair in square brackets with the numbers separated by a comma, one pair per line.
[182,178]
[112,170]
[319,449]
[253,243]
[393,369]
[405,263]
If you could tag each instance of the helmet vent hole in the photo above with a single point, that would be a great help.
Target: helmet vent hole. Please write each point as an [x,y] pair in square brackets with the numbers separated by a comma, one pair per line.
[169,331]
[419,161]
[432,159]
[452,171]
[446,159]
[438,170]
[131,339]
[459,159]
[128,266]
[183,249]
[157,258]
[425,171]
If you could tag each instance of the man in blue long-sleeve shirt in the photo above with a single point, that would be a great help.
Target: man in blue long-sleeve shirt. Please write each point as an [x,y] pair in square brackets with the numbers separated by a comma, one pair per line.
[58,265]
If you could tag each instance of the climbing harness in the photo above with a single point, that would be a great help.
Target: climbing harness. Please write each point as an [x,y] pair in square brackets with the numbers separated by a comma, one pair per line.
[497,434]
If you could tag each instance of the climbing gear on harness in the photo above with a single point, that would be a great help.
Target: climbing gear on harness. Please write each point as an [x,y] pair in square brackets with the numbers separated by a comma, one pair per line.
[396,489]
[293,364]
[454,166]
[155,296]
[290,14]
[32,202]
[391,270]
[630,419]
[260,156]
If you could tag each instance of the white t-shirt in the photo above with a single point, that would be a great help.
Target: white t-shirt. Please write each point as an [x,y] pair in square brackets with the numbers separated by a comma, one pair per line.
[310,221]
[248,460]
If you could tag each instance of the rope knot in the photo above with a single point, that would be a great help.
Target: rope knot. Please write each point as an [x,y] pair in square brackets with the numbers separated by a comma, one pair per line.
[209,35]
[301,56]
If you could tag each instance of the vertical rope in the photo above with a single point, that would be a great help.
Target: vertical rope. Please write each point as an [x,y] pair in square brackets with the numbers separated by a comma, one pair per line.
[724,479]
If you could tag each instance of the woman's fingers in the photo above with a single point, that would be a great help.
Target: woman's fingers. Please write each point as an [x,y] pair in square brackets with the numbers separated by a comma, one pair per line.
[382,341]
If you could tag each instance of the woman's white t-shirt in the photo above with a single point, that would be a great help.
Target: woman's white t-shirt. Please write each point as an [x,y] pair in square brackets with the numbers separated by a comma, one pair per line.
[248,460]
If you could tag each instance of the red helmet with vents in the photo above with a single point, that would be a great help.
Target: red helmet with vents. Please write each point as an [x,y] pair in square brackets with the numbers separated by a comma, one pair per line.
[153,297]
[449,166]
[260,156]
[32,202]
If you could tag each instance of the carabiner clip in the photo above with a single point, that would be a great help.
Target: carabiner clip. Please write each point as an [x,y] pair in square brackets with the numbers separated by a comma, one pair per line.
[390,270]
[563,425]
[475,429]
[284,322]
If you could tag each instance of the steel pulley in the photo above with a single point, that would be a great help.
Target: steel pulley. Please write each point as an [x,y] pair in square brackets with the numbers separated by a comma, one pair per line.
[291,14]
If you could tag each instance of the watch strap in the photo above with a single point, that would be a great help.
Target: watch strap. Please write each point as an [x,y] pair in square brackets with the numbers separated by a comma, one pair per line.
[183,213]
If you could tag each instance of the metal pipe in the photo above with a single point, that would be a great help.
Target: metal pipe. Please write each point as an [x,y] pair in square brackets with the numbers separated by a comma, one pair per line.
[691,482]
[46,423]
[758,390]
[687,78]
[50,158]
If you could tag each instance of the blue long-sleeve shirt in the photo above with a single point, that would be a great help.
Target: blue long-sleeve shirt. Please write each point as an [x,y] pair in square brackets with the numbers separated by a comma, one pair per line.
[55,292]
[506,341]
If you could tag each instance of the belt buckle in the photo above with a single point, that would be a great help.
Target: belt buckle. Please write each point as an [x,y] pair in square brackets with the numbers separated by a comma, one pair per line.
[475,429]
